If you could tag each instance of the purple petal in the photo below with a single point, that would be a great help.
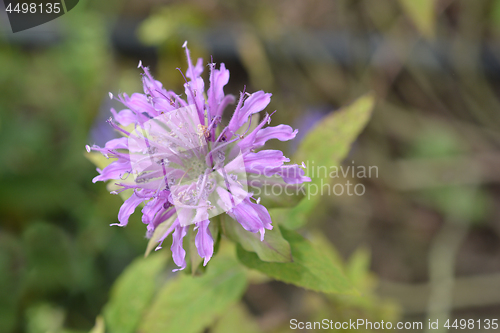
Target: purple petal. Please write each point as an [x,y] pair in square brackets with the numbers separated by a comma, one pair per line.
[204,241]
[139,104]
[264,160]
[161,216]
[291,174]
[228,99]
[260,135]
[218,79]
[124,117]
[263,215]
[255,103]
[194,91]
[225,199]
[178,253]
[128,208]
[247,143]
[280,132]
[251,217]
[115,170]
[193,71]
[120,143]
[165,104]
[151,86]
[151,208]
[165,235]
[196,87]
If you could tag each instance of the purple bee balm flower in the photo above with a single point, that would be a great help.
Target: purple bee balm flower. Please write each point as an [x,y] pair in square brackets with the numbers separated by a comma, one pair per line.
[185,167]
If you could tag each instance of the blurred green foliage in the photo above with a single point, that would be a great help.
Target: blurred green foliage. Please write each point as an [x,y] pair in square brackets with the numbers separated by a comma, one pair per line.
[311,268]
[58,256]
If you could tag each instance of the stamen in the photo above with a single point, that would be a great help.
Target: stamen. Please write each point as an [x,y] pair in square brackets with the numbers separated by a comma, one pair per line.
[215,121]
[183,76]
[118,128]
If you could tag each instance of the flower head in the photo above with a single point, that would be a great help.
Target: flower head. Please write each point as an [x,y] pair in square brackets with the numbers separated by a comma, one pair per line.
[184,166]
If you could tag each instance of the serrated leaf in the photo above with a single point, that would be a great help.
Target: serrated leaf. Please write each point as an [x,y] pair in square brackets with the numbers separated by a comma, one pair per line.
[189,304]
[422,13]
[311,268]
[132,293]
[274,248]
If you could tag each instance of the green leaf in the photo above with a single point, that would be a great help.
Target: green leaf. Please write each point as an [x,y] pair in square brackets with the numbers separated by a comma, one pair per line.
[329,142]
[274,248]
[358,267]
[322,244]
[132,293]
[288,195]
[325,147]
[99,326]
[189,304]
[311,268]
[296,217]
[422,13]
[98,159]
[236,316]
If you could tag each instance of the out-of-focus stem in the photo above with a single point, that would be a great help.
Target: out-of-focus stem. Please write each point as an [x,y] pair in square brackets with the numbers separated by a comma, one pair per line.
[442,272]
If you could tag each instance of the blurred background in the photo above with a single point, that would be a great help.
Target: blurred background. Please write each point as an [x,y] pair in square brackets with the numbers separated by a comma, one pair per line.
[423,239]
